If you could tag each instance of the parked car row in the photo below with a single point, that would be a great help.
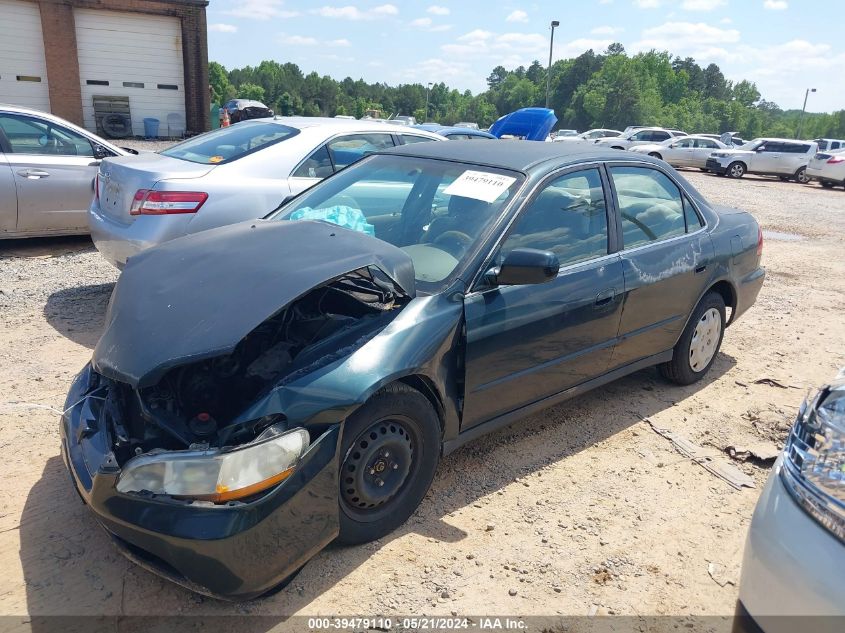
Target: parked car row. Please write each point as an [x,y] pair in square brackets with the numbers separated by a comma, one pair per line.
[784,158]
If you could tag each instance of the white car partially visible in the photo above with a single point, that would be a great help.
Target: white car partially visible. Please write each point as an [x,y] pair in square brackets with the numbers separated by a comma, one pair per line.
[589,136]
[640,137]
[828,168]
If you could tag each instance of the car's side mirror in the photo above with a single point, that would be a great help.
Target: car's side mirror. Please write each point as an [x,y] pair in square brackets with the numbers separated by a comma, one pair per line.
[101,152]
[524,266]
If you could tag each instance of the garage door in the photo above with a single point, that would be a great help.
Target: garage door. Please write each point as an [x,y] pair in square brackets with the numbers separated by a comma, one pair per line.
[131,55]
[23,71]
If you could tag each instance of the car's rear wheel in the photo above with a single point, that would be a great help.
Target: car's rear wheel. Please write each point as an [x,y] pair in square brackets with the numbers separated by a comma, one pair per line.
[655,155]
[704,169]
[389,453]
[827,184]
[736,170]
[784,178]
[616,147]
[700,342]
[801,176]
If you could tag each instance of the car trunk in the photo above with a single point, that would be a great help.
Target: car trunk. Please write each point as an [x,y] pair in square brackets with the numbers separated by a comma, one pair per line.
[818,161]
[120,178]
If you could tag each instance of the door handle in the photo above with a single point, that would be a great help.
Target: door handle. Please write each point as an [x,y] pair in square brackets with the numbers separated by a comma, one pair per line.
[605,297]
[700,269]
[33,174]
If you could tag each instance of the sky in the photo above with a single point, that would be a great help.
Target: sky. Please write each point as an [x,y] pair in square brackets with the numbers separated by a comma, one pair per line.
[784,46]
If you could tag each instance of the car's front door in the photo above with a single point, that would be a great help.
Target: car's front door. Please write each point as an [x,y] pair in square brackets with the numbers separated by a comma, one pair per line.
[524,343]
[665,260]
[768,158]
[54,169]
[680,153]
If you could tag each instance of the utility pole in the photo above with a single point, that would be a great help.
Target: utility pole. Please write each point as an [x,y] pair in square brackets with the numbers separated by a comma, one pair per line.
[803,110]
[549,70]
[427,91]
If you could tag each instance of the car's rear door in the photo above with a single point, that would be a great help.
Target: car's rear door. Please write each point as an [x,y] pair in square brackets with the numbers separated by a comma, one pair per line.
[524,343]
[666,255]
[701,152]
[54,169]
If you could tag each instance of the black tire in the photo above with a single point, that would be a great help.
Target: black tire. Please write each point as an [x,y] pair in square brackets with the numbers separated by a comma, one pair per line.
[784,178]
[827,184]
[394,438]
[736,170]
[801,176]
[655,155]
[617,147]
[679,370]
[704,169]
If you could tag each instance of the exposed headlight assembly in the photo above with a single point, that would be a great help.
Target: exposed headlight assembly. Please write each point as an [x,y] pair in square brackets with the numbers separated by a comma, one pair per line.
[218,475]
[814,458]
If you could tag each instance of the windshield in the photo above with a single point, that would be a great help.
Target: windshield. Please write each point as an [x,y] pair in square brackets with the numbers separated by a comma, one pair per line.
[230,143]
[436,211]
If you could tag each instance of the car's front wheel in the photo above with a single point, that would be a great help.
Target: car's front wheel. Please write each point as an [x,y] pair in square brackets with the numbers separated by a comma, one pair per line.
[389,453]
[696,350]
[736,170]
[655,155]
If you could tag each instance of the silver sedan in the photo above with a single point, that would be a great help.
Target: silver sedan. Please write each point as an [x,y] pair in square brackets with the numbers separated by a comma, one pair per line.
[690,151]
[47,170]
[226,176]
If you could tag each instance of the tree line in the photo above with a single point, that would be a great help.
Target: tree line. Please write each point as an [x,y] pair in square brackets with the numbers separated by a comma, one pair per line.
[610,89]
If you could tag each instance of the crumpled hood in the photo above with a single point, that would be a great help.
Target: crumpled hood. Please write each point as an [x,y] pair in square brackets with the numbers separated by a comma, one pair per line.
[196,297]
[733,152]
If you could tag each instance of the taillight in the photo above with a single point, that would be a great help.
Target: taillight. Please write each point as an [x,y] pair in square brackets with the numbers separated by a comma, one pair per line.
[759,242]
[833,160]
[148,202]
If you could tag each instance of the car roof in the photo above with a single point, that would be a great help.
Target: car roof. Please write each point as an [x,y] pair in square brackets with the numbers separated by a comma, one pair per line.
[521,156]
[451,129]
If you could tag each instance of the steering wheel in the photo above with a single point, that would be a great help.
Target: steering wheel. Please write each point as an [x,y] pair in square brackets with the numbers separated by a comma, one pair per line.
[642,227]
[449,240]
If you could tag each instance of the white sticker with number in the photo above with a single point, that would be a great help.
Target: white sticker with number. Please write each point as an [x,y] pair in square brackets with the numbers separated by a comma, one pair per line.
[479,185]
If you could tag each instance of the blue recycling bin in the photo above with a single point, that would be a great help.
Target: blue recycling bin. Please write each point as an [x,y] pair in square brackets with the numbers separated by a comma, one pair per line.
[151,127]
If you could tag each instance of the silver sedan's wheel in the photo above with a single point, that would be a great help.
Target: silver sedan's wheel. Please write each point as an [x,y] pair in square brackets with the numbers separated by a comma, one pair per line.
[705,340]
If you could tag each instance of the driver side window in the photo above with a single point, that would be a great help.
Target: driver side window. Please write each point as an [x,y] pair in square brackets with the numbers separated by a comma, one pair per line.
[567,217]
[27,135]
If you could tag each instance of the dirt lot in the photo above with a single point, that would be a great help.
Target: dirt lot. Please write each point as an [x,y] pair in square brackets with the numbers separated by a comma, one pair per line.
[582,509]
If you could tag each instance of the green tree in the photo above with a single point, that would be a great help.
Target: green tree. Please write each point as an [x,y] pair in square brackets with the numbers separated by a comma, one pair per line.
[251,91]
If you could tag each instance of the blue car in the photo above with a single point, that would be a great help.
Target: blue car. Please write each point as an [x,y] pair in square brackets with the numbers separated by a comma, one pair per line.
[265,388]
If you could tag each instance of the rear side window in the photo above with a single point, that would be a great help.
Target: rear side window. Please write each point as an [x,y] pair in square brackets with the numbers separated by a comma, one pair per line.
[407,139]
[795,148]
[351,148]
[650,205]
[230,143]
[659,136]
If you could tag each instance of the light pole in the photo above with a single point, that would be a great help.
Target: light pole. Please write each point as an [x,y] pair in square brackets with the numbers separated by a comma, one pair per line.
[801,118]
[549,71]
[427,91]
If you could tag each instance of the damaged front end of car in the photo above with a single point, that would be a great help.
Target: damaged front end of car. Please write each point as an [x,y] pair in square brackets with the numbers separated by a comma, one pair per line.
[158,431]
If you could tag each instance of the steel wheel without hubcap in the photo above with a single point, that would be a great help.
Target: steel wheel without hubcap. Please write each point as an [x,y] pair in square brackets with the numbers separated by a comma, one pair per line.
[705,340]
[377,465]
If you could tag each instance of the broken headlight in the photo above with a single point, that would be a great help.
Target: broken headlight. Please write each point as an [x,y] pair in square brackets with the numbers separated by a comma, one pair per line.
[218,475]
[814,458]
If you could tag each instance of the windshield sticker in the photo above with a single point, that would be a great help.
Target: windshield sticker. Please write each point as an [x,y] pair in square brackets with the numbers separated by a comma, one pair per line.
[479,185]
[216,159]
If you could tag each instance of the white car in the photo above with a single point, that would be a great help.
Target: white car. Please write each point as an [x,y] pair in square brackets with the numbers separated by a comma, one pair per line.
[640,137]
[690,151]
[232,174]
[785,158]
[828,168]
[795,551]
[589,136]
[47,170]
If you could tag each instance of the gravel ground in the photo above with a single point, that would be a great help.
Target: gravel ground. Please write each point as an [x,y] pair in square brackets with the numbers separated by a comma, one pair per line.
[582,509]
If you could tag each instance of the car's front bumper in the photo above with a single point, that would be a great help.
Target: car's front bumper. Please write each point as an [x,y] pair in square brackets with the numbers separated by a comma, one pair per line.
[235,551]
[792,566]
[117,241]
[715,166]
